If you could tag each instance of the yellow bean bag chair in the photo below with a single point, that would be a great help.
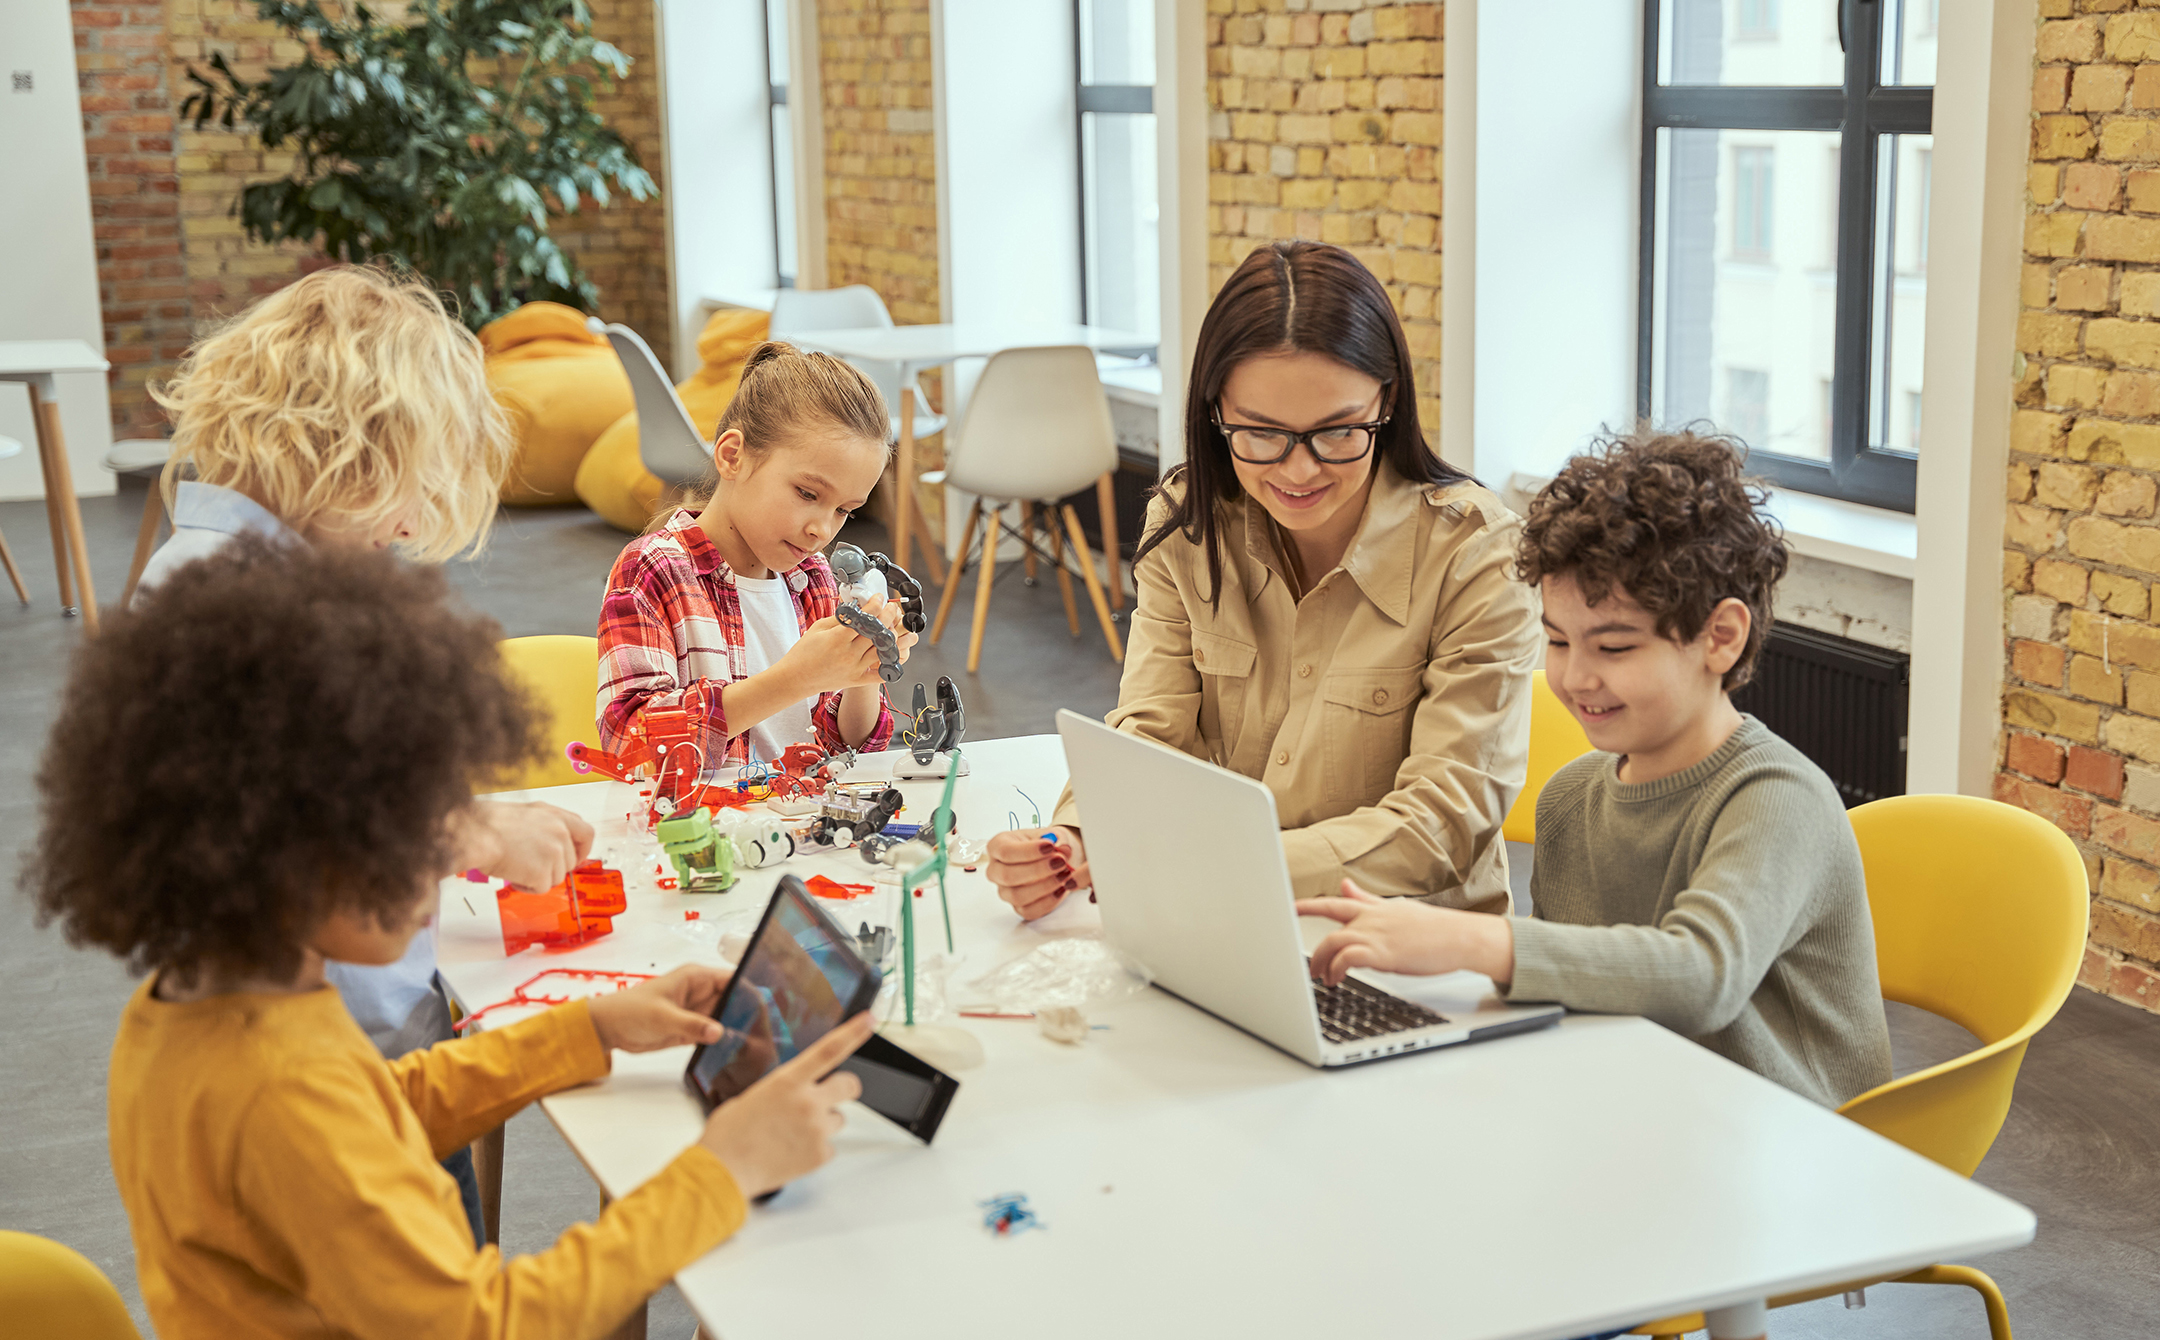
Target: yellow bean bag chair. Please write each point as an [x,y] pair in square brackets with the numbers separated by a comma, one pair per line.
[613,481]
[562,387]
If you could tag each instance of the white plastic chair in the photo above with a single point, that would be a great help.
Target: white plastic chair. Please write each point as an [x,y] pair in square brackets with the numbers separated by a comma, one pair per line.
[803,311]
[141,458]
[10,447]
[1037,429]
[668,442]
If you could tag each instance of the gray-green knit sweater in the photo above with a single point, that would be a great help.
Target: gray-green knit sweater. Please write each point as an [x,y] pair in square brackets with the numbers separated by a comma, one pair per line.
[1725,902]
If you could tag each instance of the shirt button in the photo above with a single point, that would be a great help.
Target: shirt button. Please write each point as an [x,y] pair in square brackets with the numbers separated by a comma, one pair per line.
[1304,672]
[1282,758]
[1199,657]
[1379,697]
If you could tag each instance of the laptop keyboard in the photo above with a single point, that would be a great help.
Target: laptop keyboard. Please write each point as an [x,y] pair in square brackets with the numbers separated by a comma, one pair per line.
[1354,1011]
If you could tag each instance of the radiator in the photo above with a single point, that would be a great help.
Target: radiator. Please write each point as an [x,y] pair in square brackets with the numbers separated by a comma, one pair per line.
[1840,702]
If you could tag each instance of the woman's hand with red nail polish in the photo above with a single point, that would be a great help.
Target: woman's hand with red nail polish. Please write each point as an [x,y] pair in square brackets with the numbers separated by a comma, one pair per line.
[1032,874]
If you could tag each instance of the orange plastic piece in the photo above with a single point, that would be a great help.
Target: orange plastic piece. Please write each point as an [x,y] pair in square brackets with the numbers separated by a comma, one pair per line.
[579,909]
[832,888]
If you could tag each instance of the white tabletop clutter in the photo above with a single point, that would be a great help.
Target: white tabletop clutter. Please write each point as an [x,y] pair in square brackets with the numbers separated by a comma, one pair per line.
[1193,1180]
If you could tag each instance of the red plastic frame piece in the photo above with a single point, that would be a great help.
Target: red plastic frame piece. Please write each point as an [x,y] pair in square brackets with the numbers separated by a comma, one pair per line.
[523,994]
[832,888]
[580,909]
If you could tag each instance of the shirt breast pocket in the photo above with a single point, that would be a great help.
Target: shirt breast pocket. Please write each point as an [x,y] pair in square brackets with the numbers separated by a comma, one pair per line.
[1366,728]
[1225,665]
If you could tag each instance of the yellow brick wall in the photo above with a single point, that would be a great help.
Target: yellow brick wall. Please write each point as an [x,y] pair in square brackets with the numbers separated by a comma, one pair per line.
[880,152]
[2081,702]
[881,222]
[1325,125]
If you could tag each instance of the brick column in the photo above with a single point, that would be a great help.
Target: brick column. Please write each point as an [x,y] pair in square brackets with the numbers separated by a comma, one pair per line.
[2081,699]
[1326,126]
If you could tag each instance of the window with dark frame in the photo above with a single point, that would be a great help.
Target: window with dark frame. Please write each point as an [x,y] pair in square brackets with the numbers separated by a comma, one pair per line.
[781,143]
[1114,50]
[1756,328]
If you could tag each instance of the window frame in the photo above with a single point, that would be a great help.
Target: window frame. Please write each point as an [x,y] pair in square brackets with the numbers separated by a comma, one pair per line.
[1861,112]
[776,93]
[1090,100]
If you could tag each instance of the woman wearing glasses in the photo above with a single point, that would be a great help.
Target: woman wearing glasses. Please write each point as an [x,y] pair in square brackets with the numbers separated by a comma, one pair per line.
[1324,605]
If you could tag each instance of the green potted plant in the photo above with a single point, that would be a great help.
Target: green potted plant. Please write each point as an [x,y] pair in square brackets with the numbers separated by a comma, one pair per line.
[445,140]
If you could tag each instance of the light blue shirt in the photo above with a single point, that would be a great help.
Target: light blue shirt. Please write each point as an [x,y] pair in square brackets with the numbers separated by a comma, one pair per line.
[205,518]
[397,1005]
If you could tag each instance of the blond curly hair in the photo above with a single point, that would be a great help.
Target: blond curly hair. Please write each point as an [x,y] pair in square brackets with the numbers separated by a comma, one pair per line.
[350,394]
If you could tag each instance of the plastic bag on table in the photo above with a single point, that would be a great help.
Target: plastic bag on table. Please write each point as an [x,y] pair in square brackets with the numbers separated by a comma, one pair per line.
[1081,972]
[933,997]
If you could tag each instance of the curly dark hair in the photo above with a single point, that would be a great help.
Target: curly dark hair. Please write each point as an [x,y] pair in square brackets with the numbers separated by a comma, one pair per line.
[275,733]
[1668,518]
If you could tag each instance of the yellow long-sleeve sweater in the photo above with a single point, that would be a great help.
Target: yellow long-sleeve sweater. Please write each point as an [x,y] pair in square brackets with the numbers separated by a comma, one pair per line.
[281,1178]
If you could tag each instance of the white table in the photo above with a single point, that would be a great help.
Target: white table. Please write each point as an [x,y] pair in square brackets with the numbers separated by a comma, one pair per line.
[915,348]
[34,363]
[1194,1181]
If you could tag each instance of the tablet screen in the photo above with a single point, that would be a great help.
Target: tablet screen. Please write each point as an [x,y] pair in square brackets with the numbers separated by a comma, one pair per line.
[797,980]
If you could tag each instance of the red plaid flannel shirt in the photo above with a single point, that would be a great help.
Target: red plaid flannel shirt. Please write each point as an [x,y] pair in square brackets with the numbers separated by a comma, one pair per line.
[671,635]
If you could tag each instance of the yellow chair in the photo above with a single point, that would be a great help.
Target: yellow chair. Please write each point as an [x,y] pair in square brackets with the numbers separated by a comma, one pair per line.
[1556,739]
[563,672]
[48,1289]
[1979,912]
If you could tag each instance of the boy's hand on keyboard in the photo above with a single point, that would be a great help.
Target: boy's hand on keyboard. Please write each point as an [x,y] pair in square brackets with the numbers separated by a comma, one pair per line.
[1402,935]
[667,1011]
[782,1126]
[531,845]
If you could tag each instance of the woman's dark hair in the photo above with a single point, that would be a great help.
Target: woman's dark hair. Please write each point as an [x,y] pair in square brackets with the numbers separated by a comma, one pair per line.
[275,733]
[1671,520]
[1291,297]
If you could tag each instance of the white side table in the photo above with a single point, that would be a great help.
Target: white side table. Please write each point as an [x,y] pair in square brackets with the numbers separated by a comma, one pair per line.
[34,363]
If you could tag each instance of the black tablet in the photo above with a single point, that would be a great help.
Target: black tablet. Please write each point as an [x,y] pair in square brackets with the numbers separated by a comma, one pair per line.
[799,978]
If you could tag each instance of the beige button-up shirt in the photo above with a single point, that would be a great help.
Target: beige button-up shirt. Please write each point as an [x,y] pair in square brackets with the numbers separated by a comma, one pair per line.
[1389,710]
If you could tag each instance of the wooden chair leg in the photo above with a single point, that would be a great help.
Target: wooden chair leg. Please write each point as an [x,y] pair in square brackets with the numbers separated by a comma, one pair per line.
[1106,503]
[1057,563]
[14,573]
[487,1157]
[1027,538]
[145,540]
[952,578]
[1094,588]
[933,547]
[985,572]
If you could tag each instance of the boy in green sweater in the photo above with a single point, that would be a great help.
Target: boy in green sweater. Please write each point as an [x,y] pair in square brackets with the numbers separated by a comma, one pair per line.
[1695,869]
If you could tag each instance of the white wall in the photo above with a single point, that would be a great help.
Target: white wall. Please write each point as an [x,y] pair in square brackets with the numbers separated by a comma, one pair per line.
[1975,245]
[718,147]
[48,280]
[1557,136]
[1181,131]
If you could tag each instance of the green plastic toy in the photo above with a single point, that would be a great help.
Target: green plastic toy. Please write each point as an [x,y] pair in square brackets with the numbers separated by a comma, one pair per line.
[941,823]
[704,860]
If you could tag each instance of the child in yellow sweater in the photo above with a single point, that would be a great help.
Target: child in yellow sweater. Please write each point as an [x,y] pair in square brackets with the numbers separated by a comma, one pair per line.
[256,773]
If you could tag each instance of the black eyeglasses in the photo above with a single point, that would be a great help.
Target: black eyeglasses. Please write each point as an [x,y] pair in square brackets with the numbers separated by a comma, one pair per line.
[1336,444]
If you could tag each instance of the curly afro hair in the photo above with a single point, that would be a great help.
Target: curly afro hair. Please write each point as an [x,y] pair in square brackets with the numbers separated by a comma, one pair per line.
[1669,519]
[275,733]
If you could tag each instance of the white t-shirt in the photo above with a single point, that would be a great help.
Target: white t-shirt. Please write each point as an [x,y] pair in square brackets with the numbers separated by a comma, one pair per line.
[769,629]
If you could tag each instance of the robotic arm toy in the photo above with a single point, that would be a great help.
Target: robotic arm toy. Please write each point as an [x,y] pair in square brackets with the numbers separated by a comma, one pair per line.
[861,576]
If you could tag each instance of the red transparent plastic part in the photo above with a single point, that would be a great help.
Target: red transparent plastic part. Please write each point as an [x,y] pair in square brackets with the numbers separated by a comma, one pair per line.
[581,908]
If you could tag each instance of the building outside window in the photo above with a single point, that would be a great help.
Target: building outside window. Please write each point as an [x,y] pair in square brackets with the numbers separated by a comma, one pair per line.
[1120,260]
[1752,197]
[1756,18]
[1806,123]
[782,146]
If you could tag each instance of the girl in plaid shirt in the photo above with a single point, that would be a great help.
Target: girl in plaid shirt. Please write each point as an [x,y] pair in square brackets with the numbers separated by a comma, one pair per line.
[727,608]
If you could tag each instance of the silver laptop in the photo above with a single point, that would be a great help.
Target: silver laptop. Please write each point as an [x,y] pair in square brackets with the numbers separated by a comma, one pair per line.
[1188,867]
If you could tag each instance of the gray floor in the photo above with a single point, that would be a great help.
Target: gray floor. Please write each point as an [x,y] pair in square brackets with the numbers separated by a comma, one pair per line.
[2082,1145]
